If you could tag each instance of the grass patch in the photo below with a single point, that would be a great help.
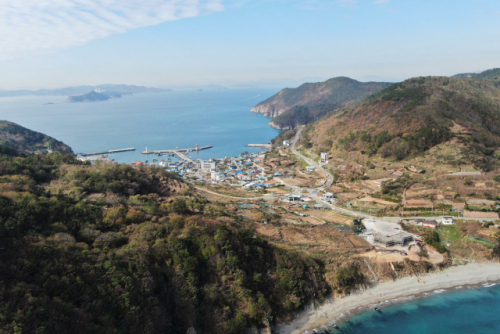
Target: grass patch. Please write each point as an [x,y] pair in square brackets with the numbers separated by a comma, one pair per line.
[451,233]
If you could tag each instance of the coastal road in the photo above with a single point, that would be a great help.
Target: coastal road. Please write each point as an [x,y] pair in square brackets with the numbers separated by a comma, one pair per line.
[329,180]
[234,197]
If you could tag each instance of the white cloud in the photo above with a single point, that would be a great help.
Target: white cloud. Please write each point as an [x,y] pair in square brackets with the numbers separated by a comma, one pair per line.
[379,2]
[34,26]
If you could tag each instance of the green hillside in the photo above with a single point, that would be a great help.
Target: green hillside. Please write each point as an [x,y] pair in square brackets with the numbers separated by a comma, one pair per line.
[488,74]
[24,140]
[310,101]
[413,116]
[117,249]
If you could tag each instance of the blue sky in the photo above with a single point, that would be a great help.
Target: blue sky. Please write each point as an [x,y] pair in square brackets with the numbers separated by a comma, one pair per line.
[261,42]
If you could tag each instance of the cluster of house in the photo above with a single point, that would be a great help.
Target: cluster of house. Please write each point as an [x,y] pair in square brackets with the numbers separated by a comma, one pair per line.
[241,171]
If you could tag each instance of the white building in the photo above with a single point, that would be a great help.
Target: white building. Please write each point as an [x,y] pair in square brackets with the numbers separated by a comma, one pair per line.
[328,197]
[208,165]
[324,157]
[218,177]
[286,143]
[447,220]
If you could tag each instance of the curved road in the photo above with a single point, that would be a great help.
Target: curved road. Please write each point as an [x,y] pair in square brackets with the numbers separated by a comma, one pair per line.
[328,183]
[329,176]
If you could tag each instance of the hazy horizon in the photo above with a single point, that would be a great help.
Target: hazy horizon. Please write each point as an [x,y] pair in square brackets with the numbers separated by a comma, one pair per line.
[260,43]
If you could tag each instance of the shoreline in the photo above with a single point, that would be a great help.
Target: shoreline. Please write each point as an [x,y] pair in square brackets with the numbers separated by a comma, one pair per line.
[388,293]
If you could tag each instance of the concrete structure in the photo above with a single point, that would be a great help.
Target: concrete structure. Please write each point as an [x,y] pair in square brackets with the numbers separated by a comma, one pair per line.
[218,177]
[286,143]
[268,146]
[207,165]
[384,233]
[466,174]
[402,239]
[160,152]
[324,157]
[107,152]
[447,221]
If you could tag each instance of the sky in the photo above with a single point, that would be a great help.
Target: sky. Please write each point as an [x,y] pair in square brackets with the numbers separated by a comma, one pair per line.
[240,43]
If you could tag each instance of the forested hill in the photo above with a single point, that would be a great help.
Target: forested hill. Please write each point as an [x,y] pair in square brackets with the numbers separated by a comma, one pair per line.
[25,140]
[117,249]
[489,74]
[310,101]
[416,115]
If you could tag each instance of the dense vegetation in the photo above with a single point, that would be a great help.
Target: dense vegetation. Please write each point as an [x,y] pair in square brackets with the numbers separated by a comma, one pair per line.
[311,101]
[411,117]
[400,145]
[115,249]
[434,240]
[489,74]
[21,139]
[299,115]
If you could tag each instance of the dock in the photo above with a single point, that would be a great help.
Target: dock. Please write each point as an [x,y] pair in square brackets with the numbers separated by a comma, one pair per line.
[107,152]
[269,146]
[179,152]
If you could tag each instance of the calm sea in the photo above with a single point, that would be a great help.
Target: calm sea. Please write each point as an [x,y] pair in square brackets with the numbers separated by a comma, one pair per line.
[158,121]
[469,311]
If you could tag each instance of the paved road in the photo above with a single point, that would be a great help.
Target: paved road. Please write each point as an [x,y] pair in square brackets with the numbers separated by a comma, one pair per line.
[329,176]
[234,197]
[437,218]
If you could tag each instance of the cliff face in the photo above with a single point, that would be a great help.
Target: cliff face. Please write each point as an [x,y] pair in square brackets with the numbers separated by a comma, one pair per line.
[280,127]
[310,101]
[275,105]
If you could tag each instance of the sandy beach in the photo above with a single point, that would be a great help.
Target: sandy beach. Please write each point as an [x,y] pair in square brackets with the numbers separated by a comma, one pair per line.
[381,293]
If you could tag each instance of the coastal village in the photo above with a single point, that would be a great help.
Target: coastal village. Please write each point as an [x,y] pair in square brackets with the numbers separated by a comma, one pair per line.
[296,204]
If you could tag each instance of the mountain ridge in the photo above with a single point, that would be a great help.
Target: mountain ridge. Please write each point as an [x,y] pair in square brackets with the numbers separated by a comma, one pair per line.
[415,115]
[294,106]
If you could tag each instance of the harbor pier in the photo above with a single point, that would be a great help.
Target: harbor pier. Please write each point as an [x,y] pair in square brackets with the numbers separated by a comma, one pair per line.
[268,146]
[107,152]
[179,152]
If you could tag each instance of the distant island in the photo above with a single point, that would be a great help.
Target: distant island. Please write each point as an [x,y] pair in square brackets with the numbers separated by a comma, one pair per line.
[93,97]
[79,90]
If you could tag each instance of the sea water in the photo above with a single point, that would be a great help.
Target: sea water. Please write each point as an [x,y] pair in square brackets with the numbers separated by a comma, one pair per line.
[158,121]
[467,311]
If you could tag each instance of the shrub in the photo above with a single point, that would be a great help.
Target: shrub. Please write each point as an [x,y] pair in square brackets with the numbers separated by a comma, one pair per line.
[347,278]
